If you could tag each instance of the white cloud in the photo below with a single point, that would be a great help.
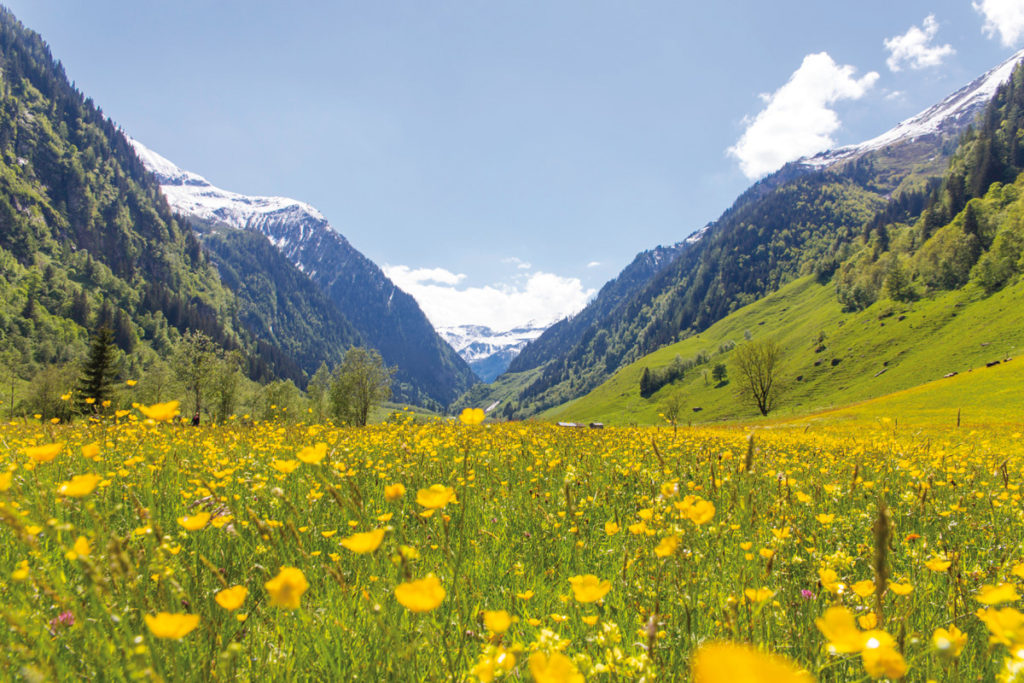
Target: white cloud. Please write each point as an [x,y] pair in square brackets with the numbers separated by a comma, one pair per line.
[423,275]
[913,48]
[593,264]
[518,263]
[797,119]
[541,299]
[1002,17]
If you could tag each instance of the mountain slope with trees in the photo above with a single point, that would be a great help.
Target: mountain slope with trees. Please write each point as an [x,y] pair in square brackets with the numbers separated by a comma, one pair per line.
[429,372]
[87,241]
[929,286]
[804,219]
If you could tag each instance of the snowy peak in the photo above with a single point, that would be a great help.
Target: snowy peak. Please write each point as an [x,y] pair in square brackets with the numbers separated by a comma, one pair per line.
[949,116]
[487,351]
[289,224]
[193,195]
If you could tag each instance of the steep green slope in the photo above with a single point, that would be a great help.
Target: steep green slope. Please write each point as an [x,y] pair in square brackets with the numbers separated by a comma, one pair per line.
[886,225]
[988,397]
[831,357]
[796,222]
[87,239]
[83,228]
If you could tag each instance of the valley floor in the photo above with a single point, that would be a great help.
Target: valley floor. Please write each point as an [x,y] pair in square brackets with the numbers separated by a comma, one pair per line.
[875,540]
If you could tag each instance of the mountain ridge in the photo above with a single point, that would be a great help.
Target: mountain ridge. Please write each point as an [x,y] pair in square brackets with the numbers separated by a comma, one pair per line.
[801,219]
[386,317]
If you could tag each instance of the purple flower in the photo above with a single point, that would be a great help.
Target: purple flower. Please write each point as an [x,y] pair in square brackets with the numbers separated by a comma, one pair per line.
[63,619]
[807,595]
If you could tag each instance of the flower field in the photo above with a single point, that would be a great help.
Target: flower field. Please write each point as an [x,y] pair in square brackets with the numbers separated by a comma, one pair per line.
[135,547]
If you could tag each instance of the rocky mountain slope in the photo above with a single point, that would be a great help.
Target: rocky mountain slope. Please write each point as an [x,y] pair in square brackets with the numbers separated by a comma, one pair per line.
[487,351]
[385,317]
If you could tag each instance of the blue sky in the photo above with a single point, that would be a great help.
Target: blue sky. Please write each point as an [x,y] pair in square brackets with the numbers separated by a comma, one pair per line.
[505,158]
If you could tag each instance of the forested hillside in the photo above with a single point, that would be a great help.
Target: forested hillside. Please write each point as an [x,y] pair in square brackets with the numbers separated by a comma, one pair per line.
[930,285]
[88,241]
[800,220]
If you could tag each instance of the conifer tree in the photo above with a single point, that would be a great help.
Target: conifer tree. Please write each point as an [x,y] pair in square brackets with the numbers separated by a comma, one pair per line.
[98,371]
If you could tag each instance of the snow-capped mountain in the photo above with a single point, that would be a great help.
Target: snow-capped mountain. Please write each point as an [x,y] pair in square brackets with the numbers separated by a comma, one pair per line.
[288,223]
[948,117]
[488,352]
[387,318]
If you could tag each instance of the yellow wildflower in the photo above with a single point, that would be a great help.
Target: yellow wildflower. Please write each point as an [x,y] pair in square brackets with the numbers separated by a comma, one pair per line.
[81,485]
[195,522]
[365,542]
[880,656]
[436,497]
[994,595]
[44,453]
[287,587]
[949,642]
[422,595]
[589,588]
[497,621]
[171,626]
[667,546]
[732,663]
[313,455]
[231,598]
[553,668]
[838,626]
[161,412]
[864,588]
[758,594]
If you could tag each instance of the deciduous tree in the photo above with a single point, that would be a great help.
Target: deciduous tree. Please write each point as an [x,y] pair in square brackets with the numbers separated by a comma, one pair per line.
[758,364]
[359,382]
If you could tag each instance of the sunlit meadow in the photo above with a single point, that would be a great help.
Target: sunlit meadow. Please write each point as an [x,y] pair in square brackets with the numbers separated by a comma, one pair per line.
[137,547]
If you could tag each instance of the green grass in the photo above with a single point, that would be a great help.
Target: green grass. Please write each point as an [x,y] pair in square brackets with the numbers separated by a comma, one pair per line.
[504,389]
[687,544]
[888,347]
[980,398]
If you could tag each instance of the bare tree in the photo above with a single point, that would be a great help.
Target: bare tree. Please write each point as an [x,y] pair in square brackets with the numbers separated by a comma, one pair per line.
[757,365]
[672,407]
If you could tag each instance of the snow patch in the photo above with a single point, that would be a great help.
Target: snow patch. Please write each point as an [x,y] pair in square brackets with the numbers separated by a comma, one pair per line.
[948,115]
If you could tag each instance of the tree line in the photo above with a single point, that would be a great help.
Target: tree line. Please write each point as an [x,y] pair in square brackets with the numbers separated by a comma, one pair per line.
[208,379]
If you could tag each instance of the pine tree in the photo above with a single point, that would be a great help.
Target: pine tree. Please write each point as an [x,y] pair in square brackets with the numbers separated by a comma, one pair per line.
[80,310]
[646,383]
[98,371]
[971,226]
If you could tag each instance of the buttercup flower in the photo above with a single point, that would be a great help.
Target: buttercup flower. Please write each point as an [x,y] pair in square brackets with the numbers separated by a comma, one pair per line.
[231,598]
[365,542]
[422,595]
[589,588]
[287,587]
[436,497]
[44,453]
[161,412]
[171,626]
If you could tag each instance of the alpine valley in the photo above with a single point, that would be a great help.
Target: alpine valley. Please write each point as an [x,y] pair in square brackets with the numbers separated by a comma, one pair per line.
[98,230]
[919,215]
[232,449]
